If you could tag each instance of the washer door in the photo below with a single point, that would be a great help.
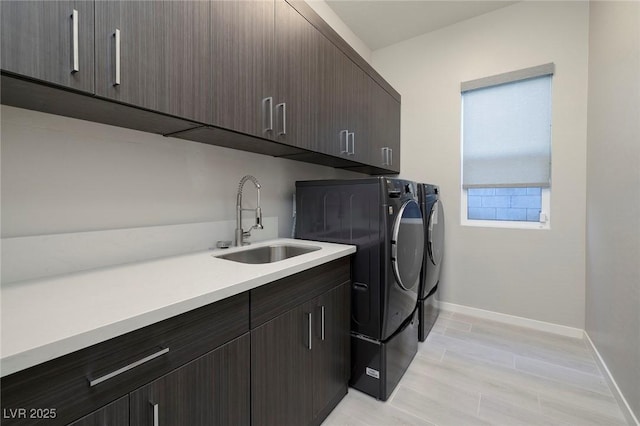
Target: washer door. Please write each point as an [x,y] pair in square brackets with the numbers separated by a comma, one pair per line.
[407,245]
[435,239]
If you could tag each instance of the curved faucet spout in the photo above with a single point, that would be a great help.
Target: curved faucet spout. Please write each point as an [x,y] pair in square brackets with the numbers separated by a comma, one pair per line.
[240,234]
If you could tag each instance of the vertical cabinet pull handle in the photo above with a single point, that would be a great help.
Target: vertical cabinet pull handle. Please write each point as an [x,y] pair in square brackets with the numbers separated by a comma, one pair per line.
[352,151]
[116,37]
[283,118]
[322,322]
[390,156]
[346,142]
[75,67]
[309,330]
[156,414]
[267,111]
[385,156]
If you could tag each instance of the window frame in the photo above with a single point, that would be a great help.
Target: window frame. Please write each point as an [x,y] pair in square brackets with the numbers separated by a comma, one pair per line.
[508,77]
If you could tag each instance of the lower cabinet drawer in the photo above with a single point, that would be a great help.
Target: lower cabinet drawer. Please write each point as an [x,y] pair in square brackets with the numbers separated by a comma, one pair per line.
[79,383]
[270,300]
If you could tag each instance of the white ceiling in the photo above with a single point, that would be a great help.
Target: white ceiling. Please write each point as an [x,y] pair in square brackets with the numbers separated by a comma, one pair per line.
[381,23]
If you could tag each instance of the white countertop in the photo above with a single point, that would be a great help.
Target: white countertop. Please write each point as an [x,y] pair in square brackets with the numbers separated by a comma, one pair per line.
[47,318]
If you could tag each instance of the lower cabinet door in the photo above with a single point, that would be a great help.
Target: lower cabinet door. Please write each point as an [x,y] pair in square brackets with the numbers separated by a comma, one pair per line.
[114,414]
[211,390]
[331,355]
[281,379]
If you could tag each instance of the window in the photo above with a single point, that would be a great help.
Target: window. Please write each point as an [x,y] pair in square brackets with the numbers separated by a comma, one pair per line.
[506,148]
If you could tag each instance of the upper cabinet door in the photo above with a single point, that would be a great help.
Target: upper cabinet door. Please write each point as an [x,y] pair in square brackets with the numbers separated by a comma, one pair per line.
[155,55]
[242,43]
[343,107]
[358,111]
[50,41]
[297,75]
[385,128]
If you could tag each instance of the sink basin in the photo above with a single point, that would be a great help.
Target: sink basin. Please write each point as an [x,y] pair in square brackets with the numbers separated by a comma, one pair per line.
[268,254]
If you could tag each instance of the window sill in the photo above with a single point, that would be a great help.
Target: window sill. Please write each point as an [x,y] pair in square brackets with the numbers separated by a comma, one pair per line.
[505,224]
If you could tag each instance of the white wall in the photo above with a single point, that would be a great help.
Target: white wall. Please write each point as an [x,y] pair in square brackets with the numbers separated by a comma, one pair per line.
[537,274]
[330,17]
[66,176]
[613,192]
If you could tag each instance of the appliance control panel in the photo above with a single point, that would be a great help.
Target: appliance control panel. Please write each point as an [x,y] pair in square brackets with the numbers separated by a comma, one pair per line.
[396,188]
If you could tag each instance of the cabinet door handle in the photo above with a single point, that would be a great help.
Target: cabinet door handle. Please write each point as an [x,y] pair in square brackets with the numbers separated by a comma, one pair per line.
[127,367]
[267,111]
[383,151]
[322,322]
[390,156]
[352,151]
[309,330]
[283,118]
[346,141]
[75,67]
[116,37]
[156,414]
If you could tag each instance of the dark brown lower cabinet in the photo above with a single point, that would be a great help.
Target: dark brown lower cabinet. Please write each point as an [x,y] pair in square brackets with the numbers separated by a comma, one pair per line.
[280,367]
[331,353]
[275,355]
[300,361]
[212,390]
[114,414]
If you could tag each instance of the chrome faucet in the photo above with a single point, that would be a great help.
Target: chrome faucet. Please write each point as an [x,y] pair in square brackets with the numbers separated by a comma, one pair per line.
[242,235]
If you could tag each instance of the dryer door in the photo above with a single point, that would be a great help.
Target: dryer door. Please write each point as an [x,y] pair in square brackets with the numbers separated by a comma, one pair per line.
[407,245]
[435,239]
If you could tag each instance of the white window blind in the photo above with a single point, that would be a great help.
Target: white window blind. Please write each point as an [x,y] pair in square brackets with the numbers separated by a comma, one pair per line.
[506,130]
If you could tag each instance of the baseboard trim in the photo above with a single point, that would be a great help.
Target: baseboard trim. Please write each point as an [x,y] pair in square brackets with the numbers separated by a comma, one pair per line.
[622,401]
[548,327]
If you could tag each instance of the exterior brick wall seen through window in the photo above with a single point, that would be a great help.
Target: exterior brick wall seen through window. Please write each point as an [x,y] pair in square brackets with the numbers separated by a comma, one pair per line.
[515,204]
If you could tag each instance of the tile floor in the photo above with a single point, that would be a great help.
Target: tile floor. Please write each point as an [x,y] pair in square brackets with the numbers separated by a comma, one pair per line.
[473,371]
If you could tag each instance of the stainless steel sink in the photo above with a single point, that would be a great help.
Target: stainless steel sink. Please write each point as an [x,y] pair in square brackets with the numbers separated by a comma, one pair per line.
[268,254]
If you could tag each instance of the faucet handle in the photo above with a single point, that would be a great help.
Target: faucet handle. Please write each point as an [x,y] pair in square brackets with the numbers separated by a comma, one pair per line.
[258,218]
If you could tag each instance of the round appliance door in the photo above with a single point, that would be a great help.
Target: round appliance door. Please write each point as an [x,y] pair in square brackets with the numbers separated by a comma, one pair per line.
[435,239]
[407,245]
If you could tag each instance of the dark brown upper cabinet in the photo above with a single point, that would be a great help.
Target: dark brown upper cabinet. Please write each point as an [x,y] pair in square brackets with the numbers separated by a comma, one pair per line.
[265,71]
[49,41]
[266,60]
[296,101]
[269,77]
[155,55]
[348,127]
[384,143]
[242,46]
